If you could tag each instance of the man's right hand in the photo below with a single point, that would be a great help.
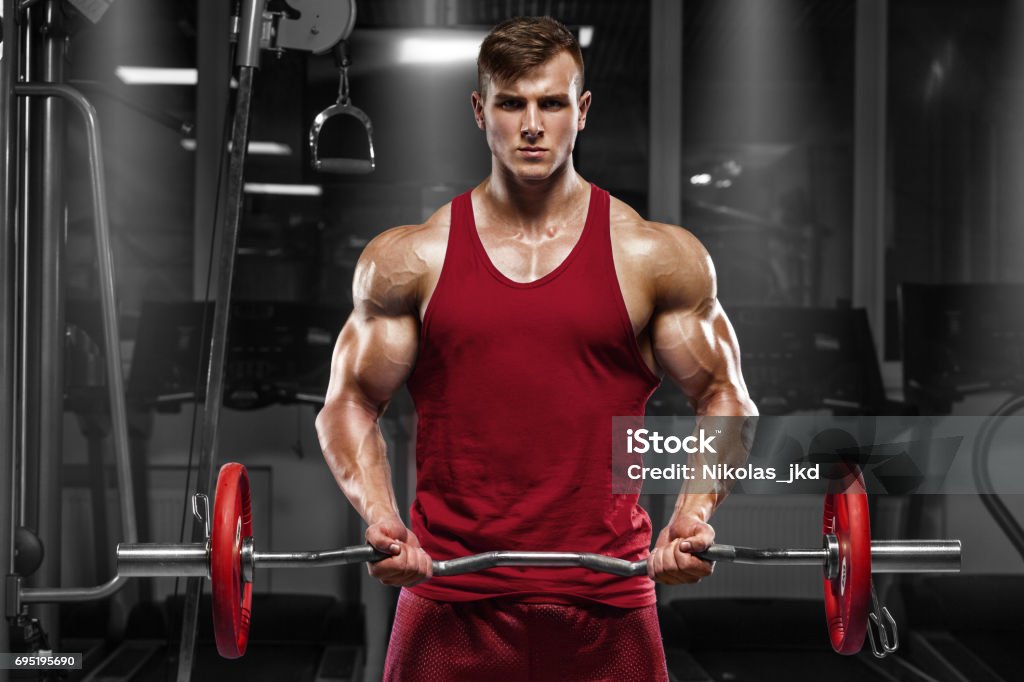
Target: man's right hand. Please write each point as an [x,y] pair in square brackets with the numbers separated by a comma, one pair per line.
[408,564]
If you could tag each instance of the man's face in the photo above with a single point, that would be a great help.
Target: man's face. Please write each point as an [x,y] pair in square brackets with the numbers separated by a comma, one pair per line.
[531,123]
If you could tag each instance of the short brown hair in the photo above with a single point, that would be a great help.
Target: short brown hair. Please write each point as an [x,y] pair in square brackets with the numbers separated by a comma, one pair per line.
[515,46]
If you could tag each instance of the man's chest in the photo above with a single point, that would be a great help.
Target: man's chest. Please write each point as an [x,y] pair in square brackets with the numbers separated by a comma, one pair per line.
[529,260]
[521,260]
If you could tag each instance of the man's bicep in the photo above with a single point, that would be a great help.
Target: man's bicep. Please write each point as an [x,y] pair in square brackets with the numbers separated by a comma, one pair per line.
[692,338]
[377,346]
[373,357]
[697,348]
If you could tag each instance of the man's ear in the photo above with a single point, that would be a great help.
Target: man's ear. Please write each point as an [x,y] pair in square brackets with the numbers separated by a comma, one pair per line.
[584,108]
[477,101]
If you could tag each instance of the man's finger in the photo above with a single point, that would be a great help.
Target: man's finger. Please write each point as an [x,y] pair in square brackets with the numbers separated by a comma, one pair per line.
[384,543]
[687,558]
[411,567]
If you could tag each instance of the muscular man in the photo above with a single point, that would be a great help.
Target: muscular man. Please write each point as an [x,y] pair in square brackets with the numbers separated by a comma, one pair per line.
[523,316]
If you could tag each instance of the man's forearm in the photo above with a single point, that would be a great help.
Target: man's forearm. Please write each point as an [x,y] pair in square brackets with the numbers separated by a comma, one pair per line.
[733,419]
[356,453]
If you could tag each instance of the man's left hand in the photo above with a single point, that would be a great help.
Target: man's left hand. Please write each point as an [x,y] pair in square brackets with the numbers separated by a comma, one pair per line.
[672,560]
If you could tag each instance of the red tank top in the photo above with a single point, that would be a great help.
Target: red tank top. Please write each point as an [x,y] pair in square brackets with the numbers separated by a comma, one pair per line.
[515,388]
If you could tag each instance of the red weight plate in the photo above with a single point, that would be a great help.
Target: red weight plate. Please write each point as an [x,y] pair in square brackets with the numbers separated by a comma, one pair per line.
[232,595]
[848,596]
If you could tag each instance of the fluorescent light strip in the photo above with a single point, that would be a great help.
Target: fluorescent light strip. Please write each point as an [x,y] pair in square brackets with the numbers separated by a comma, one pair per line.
[586,36]
[289,190]
[268,148]
[146,75]
[429,50]
[255,147]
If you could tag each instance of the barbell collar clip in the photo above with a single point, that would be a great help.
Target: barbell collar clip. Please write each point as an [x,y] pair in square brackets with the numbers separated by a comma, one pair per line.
[881,619]
[203,516]
[831,566]
[248,559]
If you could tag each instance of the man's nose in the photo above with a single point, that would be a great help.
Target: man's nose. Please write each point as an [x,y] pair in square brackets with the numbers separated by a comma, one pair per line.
[532,126]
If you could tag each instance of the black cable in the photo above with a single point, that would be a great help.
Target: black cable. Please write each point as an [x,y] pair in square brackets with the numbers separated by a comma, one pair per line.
[1000,513]
[199,379]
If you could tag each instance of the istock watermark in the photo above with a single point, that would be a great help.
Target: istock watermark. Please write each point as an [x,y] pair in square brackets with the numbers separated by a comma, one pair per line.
[643,441]
[805,454]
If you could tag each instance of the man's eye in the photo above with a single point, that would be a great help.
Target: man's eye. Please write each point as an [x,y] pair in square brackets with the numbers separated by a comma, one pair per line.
[509,104]
[553,104]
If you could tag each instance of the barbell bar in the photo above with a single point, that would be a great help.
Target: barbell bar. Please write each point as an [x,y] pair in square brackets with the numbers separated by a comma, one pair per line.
[848,558]
[149,560]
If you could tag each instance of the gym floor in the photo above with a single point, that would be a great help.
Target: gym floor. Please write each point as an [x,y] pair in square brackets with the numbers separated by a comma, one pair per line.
[962,630]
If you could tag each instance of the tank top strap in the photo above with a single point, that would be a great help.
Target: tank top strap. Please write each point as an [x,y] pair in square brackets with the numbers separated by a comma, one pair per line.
[460,239]
[596,241]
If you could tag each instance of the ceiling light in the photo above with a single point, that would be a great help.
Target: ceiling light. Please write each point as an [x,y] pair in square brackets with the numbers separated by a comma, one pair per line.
[438,49]
[289,190]
[586,35]
[268,148]
[255,147]
[147,75]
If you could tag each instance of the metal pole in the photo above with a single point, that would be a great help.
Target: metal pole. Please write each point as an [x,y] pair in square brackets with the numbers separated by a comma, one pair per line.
[213,55]
[248,59]
[869,165]
[24,163]
[95,438]
[665,184]
[48,283]
[39,595]
[7,332]
[115,377]
[665,163]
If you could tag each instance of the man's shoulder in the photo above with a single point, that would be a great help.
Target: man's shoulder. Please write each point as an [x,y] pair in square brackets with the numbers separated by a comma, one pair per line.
[647,240]
[397,264]
[411,247]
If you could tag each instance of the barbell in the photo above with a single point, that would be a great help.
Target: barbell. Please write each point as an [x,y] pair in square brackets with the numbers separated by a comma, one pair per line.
[848,558]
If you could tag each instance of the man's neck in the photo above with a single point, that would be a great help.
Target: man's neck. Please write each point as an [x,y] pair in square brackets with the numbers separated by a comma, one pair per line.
[534,205]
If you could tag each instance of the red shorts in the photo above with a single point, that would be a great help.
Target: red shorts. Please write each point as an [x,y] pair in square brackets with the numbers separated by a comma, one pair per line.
[501,639]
